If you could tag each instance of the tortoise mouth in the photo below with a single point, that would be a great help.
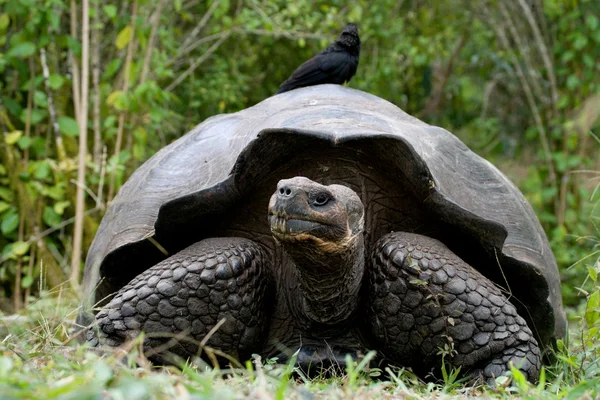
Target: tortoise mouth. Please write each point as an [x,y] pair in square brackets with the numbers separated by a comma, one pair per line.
[283,225]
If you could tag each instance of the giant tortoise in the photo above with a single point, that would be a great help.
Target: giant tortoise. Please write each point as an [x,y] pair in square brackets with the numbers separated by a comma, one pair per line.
[324,222]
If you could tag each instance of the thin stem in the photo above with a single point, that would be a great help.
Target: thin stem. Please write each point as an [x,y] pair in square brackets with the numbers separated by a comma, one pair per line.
[123,115]
[80,199]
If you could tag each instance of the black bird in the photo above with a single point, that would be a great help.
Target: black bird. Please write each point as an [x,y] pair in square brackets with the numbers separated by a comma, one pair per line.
[336,64]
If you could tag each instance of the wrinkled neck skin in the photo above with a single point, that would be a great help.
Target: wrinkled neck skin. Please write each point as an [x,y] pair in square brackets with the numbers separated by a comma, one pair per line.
[329,282]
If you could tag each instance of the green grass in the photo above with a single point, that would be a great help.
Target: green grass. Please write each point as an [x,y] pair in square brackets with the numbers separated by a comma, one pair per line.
[39,360]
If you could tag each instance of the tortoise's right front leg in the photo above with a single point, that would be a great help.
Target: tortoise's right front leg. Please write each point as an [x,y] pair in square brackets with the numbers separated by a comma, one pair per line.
[186,295]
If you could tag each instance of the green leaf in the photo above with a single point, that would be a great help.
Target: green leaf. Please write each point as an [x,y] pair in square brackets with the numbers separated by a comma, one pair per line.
[580,42]
[6,194]
[56,192]
[4,206]
[12,106]
[123,37]
[37,115]
[24,142]
[20,248]
[573,82]
[68,126]
[118,100]
[42,170]
[591,312]
[50,217]
[27,281]
[111,68]
[4,21]
[25,176]
[40,98]
[178,5]
[591,20]
[22,50]
[593,273]
[13,137]
[10,222]
[59,206]
[110,11]
[56,81]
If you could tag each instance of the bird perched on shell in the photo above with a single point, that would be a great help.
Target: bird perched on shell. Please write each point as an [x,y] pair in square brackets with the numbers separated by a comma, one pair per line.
[336,64]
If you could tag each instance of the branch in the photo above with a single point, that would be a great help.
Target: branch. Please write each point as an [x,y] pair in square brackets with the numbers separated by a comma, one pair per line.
[280,33]
[523,51]
[202,23]
[531,101]
[544,51]
[194,45]
[60,149]
[80,197]
[435,100]
[122,116]
[74,65]
[197,63]
[149,47]
[96,84]
[49,231]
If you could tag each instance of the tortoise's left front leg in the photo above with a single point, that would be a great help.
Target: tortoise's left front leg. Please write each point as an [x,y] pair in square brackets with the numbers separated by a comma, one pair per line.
[424,298]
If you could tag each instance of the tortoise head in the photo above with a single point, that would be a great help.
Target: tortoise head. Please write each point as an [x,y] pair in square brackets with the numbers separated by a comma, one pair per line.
[306,214]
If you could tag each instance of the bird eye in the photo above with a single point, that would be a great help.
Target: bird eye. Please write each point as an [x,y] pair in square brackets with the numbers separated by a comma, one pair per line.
[321,199]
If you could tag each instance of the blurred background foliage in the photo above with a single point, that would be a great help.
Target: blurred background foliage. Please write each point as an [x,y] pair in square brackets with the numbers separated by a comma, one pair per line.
[517,80]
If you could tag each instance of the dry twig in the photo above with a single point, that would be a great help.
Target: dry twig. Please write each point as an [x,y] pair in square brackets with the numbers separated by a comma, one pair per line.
[80,199]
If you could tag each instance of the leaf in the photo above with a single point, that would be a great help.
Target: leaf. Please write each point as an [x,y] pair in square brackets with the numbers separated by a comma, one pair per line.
[27,281]
[591,312]
[24,142]
[110,11]
[591,21]
[10,222]
[118,100]
[13,137]
[56,81]
[50,217]
[12,106]
[112,68]
[4,21]
[68,126]
[22,50]
[59,206]
[37,115]
[20,248]
[41,170]
[123,37]
[451,321]
[6,194]
[593,273]
[40,98]
[4,206]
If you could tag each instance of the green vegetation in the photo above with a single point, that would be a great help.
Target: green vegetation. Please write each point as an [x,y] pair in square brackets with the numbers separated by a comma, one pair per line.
[516,80]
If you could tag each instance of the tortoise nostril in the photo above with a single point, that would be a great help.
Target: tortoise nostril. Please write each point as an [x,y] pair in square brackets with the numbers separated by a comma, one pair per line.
[285,191]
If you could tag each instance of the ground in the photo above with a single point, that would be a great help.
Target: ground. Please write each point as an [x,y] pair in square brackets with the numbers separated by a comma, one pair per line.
[40,360]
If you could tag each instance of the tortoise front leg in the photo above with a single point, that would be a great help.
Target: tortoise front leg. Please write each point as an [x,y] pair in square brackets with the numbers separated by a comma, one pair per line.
[186,295]
[424,298]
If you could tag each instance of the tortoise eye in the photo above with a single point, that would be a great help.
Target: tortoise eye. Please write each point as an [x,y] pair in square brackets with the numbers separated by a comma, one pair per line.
[321,199]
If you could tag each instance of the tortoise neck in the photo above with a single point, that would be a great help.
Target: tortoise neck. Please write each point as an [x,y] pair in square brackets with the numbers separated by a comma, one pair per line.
[329,283]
